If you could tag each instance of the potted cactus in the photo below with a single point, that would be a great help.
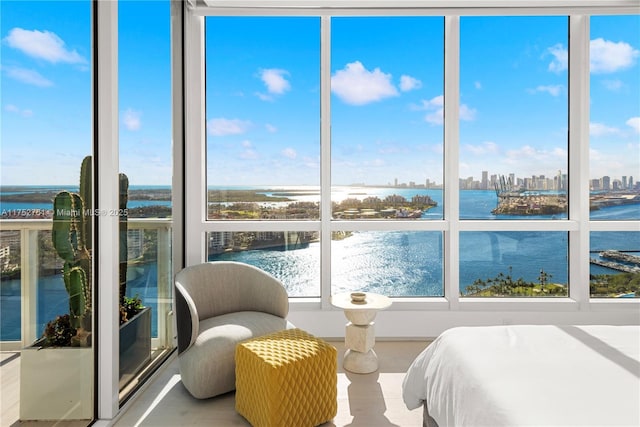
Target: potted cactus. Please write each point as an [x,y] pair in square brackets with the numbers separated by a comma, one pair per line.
[135,319]
[51,384]
[54,379]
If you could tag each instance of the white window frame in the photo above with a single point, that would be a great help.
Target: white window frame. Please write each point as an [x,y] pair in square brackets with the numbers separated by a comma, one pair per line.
[419,317]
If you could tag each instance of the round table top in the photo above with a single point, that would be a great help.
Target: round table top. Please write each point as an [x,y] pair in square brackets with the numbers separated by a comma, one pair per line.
[372,302]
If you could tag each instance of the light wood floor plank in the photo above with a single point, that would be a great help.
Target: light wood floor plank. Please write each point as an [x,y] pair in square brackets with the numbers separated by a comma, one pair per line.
[372,400]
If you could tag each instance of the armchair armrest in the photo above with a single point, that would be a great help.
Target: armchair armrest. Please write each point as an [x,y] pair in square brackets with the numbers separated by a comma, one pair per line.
[186,319]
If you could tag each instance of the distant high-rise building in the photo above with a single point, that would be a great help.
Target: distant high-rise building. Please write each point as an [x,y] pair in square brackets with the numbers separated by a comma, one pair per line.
[484,184]
[606,183]
[624,183]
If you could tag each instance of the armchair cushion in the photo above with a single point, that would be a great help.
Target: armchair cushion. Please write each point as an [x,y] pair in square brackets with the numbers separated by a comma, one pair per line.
[208,367]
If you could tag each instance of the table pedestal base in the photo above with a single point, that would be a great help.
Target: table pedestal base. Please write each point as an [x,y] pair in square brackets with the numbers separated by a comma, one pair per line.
[360,363]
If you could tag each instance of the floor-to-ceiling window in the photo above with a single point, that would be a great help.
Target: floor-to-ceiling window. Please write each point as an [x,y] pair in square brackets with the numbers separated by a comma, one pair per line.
[513,153]
[455,154]
[387,79]
[614,155]
[263,144]
[48,289]
[145,193]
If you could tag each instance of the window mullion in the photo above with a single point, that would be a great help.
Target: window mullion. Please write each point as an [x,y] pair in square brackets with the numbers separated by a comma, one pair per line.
[579,158]
[195,142]
[106,256]
[325,160]
[451,155]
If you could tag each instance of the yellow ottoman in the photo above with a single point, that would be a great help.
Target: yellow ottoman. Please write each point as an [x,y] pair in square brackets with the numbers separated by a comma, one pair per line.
[288,378]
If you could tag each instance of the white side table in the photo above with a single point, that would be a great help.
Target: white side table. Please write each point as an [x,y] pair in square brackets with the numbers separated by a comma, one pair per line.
[360,332]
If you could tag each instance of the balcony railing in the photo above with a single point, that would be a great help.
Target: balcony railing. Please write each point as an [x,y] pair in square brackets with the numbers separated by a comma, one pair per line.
[153,254]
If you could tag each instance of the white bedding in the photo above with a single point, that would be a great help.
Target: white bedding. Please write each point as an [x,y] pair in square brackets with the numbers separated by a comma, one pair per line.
[529,375]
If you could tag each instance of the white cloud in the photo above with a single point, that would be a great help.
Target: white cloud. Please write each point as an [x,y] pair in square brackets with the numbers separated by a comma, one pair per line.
[249,154]
[15,109]
[613,85]
[264,96]
[408,83]
[608,57]
[605,56]
[553,90]
[600,129]
[466,113]
[560,60]
[43,45]
[131,120]
[435,102]
[271,128]
[221,126]
[477,85]
[30,77]
[634,123]
[275,81]
[487,147]
[532,154]
[289,153]
[436,117]
[356,85]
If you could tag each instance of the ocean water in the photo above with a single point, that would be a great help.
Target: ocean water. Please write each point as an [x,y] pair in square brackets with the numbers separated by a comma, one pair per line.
[394,263]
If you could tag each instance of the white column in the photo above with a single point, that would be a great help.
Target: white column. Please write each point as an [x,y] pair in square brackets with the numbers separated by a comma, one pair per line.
[107,234]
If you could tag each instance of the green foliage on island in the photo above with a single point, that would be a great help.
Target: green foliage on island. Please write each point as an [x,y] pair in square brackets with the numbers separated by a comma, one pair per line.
[241,204]
[504,285]
[154,211]
[601,286]
[252,210]
[614,285]
[36,197]
[249,196]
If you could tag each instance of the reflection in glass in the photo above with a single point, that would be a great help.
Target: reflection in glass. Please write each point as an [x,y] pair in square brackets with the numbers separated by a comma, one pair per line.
[46,132]
[513,264]
[145,160]
[10,292]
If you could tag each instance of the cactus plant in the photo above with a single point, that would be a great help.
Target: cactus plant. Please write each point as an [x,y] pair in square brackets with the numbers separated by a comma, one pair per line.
[72,239]
[123,227]
[71,236]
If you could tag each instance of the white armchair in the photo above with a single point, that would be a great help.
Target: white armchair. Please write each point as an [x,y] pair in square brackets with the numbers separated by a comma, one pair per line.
[219,304]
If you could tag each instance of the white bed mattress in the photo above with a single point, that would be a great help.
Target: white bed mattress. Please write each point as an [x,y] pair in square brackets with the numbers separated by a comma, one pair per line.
[529,375]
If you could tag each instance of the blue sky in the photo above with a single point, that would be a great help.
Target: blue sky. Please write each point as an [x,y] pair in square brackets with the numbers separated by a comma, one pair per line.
[263,96]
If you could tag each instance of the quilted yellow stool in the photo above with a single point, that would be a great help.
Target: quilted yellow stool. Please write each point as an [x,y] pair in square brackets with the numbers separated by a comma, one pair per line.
[286,379]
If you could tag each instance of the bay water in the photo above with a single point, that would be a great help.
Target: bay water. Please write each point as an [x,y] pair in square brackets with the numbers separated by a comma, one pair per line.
[395,263]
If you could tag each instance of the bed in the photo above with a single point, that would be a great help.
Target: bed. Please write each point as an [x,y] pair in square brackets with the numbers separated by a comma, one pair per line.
[521,375]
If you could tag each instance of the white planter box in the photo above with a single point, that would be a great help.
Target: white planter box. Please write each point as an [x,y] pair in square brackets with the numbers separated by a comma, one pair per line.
[56,383]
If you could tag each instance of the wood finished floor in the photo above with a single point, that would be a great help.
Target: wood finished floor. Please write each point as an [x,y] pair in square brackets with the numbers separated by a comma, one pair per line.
[372,400]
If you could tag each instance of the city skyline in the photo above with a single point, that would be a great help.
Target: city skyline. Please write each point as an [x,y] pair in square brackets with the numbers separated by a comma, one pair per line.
[538,182]
[262,105]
